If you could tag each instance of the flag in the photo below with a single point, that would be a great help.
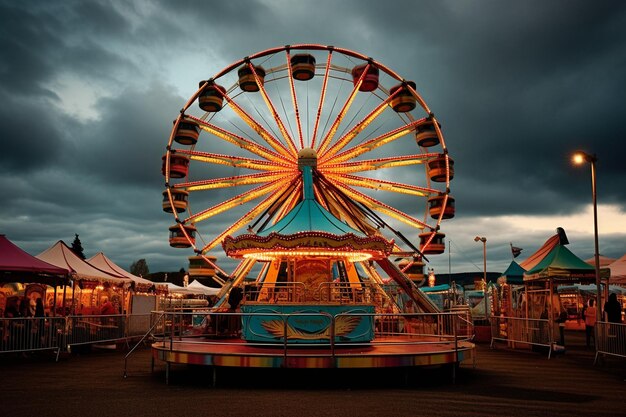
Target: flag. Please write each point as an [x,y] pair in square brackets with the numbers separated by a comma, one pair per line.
[515,251]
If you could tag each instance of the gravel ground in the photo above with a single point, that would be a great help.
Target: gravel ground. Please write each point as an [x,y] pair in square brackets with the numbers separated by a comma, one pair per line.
[502,383]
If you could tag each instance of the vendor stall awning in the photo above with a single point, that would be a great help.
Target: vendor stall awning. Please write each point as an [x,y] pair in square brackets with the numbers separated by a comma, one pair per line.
[560,264]
[17,265]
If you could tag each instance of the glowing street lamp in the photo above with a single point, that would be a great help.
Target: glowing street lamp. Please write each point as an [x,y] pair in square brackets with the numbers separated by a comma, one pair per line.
[484,240]
[579,158]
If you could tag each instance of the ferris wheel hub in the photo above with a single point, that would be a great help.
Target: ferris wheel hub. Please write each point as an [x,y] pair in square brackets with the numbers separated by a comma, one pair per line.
[307,157]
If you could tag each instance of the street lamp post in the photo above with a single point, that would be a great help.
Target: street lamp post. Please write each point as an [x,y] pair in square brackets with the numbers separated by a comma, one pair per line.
[579,158]
[484,240]
[486,298]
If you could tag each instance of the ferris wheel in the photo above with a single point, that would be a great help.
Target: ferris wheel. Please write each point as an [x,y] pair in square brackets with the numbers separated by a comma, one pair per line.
[382,165]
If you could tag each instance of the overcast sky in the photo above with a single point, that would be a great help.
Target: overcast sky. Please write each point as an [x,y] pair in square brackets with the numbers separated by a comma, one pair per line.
[89,90]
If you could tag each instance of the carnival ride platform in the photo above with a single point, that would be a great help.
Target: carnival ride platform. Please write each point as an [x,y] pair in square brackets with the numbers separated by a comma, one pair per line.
[383,352]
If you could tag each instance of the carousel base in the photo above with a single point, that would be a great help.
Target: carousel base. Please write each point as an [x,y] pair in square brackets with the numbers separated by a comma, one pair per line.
[387,352]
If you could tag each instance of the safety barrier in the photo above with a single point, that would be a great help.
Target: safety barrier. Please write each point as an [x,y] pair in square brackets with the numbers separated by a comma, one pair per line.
[512,330]
[212,327]
[610,339]
[61,333]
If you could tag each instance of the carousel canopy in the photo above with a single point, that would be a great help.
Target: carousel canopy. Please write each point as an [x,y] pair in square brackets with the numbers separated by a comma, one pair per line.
[308,229]
[62,256]
[560,264]
[103,263]
[18,266]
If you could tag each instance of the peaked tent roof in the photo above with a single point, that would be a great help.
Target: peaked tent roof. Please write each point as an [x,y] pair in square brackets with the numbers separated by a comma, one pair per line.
[101,261]
[604,261]
[16,265]
[514,273]
[61,255]
[618,271]
[561,264]
[530,262]
[197,286]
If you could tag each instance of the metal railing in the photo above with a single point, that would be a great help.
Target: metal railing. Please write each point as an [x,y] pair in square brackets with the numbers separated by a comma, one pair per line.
[512,330]
[610,339]
[217,327]
[61,333]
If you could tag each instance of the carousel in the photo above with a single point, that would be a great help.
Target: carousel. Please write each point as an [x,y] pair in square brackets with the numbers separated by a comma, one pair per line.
[325,278]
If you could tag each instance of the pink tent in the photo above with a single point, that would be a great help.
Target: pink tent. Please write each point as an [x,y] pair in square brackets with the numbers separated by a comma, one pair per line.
[18,266]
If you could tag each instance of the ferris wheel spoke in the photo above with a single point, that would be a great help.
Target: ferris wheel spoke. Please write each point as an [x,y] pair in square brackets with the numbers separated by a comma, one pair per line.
[235,161]
[290,203]
[358,128]
[294,100]
[343,208]
[374,164]
[272,109]
[333,129]
[379,206]
[377,184]
[372,144]
[237,140]
[259,129]
[235,181]
[246,218]
[322,98]
[236,201]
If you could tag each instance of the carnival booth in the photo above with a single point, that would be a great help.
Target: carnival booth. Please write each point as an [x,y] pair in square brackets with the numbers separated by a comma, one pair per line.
[91,287]
[557,268]
[33,275]
[445,296]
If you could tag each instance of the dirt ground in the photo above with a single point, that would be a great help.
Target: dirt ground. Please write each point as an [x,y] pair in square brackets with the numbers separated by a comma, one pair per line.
[500,383]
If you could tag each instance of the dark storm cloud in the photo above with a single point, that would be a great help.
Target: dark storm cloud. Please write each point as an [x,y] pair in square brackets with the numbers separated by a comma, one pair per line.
[517,87]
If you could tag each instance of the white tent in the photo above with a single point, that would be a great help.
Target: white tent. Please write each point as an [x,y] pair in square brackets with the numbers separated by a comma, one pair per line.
[203,289]
[100,261]
[618,271]
[177,289]
[62,256]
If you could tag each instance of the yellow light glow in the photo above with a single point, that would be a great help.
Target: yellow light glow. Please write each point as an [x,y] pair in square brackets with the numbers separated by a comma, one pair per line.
[272,109]
[235,181]
[246,144]
[578,158]
[370,145]
[340,117]
[234,202]
[358,128]
[380,207]
[270,256]
[254,125]
[238,162]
